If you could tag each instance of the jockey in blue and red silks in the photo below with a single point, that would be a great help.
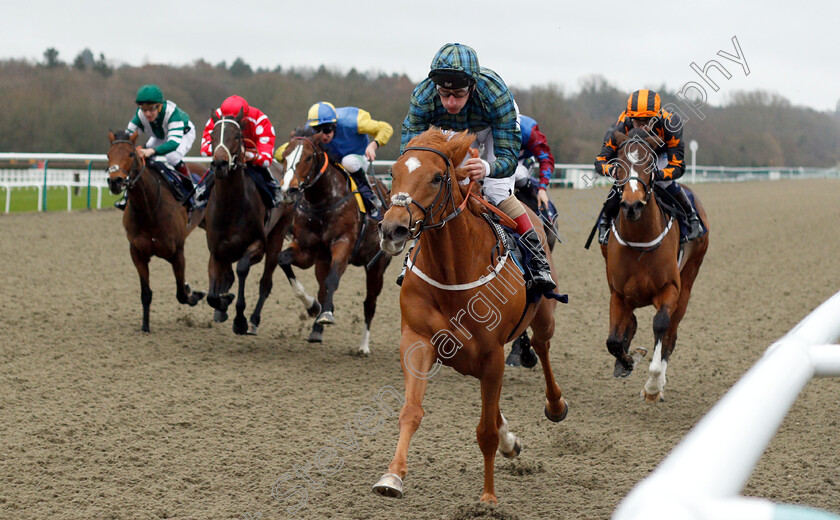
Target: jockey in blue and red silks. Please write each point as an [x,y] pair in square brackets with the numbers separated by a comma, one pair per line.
[534,144]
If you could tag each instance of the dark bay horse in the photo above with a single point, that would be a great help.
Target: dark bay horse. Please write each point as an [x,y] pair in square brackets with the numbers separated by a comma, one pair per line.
[156,224]
[328,231]
[237,228]
[645,266]
[462,299]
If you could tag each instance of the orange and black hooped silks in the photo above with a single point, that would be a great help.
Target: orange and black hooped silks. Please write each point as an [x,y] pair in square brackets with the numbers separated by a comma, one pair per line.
[643,103]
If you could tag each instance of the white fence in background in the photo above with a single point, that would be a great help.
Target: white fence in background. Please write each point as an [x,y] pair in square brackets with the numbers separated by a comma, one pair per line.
[701,479]
[17,174]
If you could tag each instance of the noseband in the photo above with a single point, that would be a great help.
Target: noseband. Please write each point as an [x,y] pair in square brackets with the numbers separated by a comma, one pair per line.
[443,197]
[233,160]
[130,181]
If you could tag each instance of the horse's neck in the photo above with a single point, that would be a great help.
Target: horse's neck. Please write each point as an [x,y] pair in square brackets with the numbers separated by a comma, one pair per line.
[145,195]
[458,252]
[329,186]
[230,191]
[649,226]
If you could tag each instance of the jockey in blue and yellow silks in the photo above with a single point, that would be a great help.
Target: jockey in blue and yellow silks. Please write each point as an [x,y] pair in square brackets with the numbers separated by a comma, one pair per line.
[347,135]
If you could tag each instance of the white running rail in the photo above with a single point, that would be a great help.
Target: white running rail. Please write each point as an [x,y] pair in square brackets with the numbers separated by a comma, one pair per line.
[701,479]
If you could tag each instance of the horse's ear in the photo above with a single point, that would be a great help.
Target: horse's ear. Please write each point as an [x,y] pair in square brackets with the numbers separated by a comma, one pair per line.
[134,136]
[240,115]
[652,142]
[619,137]
[111,136]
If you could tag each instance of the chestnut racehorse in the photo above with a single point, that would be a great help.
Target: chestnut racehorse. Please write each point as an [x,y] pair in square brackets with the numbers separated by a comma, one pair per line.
[462,299]
[644,264]
[237,228]
[328,231]
[156,224]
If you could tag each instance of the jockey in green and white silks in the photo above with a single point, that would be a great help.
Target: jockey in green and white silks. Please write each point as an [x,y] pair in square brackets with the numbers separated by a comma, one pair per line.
[171,133]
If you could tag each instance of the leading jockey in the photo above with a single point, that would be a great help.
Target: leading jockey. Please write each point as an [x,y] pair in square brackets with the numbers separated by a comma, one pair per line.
[534,145]
[347,132]
[644,110]
[257,129]
[460,95]
[171,133]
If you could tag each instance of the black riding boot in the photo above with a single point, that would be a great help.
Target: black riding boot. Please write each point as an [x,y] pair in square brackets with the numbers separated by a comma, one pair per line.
[541,280]
[692,220]
[202,190]
[273,186]
[609,213]
[372,204]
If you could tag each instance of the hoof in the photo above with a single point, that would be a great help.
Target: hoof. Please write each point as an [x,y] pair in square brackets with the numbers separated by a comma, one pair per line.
[195,297]
[620,370]
[240,326]
[652,398]
[315,337]
[512,454]
[314,310]
[514,359]
[326,318]
[145,328]
[561,416]
[252,329]
[220,316]
[390,485]
[529,358]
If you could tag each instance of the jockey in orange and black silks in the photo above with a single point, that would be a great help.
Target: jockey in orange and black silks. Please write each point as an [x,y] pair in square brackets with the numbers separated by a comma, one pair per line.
[644,110]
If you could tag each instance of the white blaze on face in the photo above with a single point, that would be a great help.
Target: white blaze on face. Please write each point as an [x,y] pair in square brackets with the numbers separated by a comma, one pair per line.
[292,161]
[412,163]
[634,158]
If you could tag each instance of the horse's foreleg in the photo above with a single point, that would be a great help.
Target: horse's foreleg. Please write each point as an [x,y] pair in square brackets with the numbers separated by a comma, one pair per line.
[141,263]
[221,279]
[285,260]
[556,408]
[322,271]
[665,303]
[373,282]
[240,324]
[622,329]
[509,444]
[487,431]
[417,355]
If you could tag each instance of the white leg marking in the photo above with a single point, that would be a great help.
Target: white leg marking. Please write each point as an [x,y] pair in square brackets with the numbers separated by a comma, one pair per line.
[507,440]
[300,292]
[656,371]
[364,347]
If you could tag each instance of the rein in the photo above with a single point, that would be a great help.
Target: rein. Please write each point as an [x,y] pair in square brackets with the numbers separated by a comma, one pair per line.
[231,157]
[303,186]
[130,181]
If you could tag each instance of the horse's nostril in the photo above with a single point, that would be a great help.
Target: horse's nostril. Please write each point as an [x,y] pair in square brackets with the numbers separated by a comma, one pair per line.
[400,232]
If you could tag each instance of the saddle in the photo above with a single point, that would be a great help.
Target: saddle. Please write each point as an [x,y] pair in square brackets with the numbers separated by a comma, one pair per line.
[673,209]
[180,186]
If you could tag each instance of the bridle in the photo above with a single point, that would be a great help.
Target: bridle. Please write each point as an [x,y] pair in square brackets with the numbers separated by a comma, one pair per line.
[438,205]
[314,170]
[648,186]
[234,160]
[138,164]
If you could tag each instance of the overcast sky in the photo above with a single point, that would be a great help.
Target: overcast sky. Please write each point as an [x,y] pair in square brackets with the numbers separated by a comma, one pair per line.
[790,48]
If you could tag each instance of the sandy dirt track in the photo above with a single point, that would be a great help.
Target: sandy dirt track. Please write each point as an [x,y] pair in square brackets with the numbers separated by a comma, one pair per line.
[100,421]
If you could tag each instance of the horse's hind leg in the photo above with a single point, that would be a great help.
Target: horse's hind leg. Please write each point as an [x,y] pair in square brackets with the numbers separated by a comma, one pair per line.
[221,279]
[556,408]
[141,262]
[243,267]
[340,254]
[373,282]
[509,444]
[273,246]
[417,355]
[182,290]
[285,261]
[322,272]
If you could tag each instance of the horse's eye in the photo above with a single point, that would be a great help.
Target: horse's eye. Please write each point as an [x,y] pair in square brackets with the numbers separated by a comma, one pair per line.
[437,179]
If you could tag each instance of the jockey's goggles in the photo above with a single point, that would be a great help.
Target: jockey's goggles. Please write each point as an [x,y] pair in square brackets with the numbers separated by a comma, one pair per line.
[453,92]
[148,107]
[326,128]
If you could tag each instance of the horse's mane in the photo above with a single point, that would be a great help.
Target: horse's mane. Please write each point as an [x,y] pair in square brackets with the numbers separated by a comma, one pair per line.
[638,133]
[123,135]
[303,131]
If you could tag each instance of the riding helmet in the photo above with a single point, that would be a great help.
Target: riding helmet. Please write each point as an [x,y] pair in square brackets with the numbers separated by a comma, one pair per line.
[643,103]
[148,94]
[455,66]
[321,113]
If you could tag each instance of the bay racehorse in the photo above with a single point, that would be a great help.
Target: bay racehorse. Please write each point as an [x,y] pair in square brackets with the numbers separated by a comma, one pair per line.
[155,222]
[328,231]
[462,299]
[238,230]
[645,265]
